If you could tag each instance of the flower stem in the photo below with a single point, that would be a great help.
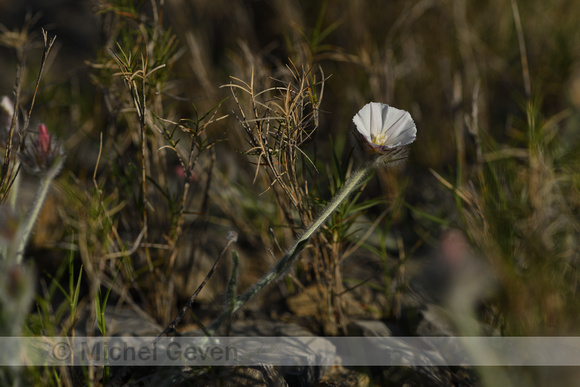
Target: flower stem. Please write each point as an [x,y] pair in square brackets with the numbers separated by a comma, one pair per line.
[15,188]
[33,215]
[294,252]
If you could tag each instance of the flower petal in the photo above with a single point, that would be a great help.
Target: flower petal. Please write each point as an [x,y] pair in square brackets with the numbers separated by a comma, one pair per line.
[384,126]
[362,120]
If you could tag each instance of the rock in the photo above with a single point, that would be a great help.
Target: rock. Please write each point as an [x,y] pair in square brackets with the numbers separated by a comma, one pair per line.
[119,322]
[303,375]
[265,376]
[434,322]
[344,377]
[295,375]
[368,328]
[312,303]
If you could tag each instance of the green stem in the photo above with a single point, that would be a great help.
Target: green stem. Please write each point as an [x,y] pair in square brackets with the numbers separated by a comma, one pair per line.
[294,252]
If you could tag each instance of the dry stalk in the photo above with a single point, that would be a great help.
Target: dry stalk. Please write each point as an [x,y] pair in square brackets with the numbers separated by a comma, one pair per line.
[278,121]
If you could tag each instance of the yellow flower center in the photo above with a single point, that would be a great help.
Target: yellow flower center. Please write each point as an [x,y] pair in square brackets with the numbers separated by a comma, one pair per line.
[379,139]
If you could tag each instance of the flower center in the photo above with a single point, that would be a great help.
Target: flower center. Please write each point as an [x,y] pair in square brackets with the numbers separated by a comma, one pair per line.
[379,139]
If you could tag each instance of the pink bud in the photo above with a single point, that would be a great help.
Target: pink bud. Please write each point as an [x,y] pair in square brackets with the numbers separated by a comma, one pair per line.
[43,153]
[43,139]
[180,173]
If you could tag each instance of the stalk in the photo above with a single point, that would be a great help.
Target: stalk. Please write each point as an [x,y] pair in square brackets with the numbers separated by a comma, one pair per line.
[294,252]
[33,216]
[45,180]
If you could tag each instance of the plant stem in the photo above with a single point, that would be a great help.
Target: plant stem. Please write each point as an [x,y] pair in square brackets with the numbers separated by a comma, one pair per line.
[15,188]
[33,215]
[294,252]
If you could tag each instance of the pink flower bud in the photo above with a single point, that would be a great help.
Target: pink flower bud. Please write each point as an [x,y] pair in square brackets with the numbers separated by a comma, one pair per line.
[180,173]
[43,138]
[43,153]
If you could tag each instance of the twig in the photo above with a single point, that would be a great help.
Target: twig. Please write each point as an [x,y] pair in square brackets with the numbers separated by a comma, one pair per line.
[293,253]
[47,46]
[523,52]
[232,237]
[48,43]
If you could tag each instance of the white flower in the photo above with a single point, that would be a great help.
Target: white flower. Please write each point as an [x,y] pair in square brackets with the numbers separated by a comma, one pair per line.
[384,128]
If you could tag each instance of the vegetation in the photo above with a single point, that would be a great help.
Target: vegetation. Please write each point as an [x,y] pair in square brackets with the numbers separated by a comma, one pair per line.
[190,126]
